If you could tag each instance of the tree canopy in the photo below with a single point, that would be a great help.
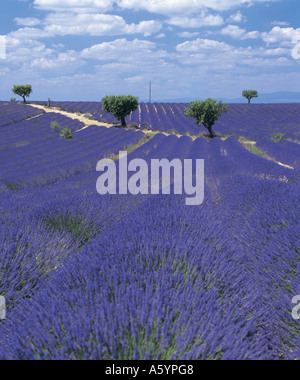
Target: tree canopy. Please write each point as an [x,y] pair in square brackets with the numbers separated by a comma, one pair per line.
[206,112]
[23,90]
[250,94]
[120,106]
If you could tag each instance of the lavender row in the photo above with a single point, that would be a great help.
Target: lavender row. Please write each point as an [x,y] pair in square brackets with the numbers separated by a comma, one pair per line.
[54,161]
[211,282]
[194,283]
[51,149]
[220,161]
[34,130]
[254,121]
[289,155]
[14,112]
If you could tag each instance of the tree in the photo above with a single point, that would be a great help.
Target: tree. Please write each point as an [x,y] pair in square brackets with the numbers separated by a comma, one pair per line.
[250,94]
[67,134]
[23,90]
[206,112]
[120,106]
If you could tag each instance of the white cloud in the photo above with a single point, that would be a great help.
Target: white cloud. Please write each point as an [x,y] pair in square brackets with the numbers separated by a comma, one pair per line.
[27,21]
[23,52]
[202,45]
[206,53]
[188,34]
[236,32]
[76,6]
[61,24]
[197,22]
[233,31]
[30,33]
[160,36]
[281,36]
[170,7]
[165,7]
[280,23]
[120,49]
[63,62]
[97,25]
[236,18]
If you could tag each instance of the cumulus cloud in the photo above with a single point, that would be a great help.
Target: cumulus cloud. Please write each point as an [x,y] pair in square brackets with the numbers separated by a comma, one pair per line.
[206,54]
[236,32]
[76,6]
[280,23]
[188,34]
[27,21]
[170,7]
[165,7]
[20,52]
[62,24]
[197,22]
[118,49]
[31,33]
[236,18]
[202,44]
[281,36]
[63,62]
[97,25]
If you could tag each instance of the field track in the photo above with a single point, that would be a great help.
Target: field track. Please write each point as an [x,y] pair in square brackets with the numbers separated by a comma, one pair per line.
[88,123]
[123,276]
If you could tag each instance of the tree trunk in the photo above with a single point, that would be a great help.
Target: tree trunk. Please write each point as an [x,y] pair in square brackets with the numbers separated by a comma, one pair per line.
[211,133]
[249,101]
[24,98]
[123,122]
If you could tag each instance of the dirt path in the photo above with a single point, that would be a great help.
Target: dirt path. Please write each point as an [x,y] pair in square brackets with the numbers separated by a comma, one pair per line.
[87,122]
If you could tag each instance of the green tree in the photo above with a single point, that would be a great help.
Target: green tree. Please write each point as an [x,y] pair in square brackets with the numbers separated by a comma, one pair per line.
[23,90]
[120,106]
[250,94]
[67,134]
[206,112]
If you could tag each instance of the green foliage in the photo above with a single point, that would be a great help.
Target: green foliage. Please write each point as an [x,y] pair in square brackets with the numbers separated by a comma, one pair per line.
[23,90]
[146,125]
[253,149]
[172,132]
[78,227]
[12,185]
[120,106]
[12,99]
[66,134]
[250,94]
[277,137]
[206,112]
[55,126]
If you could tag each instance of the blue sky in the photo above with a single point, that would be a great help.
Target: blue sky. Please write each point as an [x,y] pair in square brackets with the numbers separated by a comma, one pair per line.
[86,49]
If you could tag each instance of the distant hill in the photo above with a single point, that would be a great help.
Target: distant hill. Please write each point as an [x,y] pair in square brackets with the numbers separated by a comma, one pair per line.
[275,97]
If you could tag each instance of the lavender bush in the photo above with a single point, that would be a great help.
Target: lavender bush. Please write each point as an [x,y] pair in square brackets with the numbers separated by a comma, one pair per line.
[145,277]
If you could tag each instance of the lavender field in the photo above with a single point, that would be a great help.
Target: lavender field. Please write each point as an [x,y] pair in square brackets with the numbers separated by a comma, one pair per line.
[145,277]
[254,122]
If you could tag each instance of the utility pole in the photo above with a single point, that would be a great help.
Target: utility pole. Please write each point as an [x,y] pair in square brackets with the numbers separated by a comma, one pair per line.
[150,92]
